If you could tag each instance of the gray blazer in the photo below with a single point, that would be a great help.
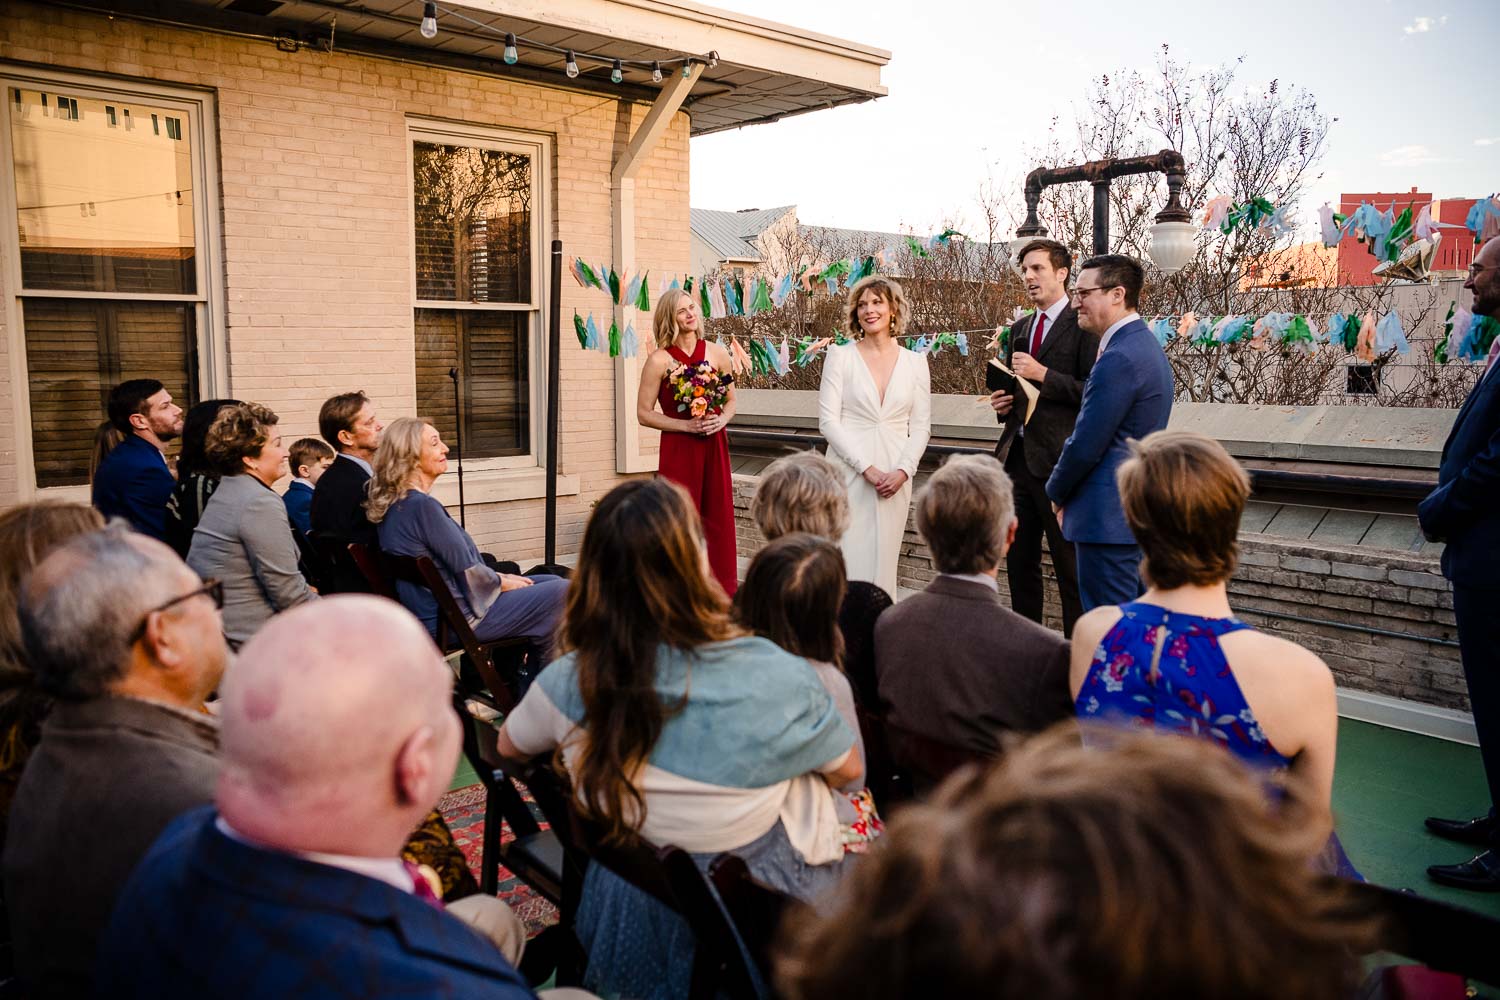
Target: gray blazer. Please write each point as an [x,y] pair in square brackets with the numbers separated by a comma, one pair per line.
[244,541]
[955,664]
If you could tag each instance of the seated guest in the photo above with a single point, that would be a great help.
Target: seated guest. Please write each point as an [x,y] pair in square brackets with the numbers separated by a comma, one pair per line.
[106,437]
[128,643]
[955,664]
[348,423]
[133,480]
[27,533]
[678,729]
[196,479]
[310,459]
[414,523]
[1158,869]
[338,736]
[1177,658]
[244,539]
[804,492]
[790,595]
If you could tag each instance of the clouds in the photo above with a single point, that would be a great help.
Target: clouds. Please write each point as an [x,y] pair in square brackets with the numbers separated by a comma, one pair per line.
[1422,25]
[1491,141]
[1409,156]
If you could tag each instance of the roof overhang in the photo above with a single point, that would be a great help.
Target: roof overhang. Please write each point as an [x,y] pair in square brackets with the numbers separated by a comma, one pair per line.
[764,71]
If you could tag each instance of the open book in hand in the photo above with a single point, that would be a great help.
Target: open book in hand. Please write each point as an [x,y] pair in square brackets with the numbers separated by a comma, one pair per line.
[999,378]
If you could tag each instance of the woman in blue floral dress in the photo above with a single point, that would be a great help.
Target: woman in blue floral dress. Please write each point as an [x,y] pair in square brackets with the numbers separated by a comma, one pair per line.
[1177,659]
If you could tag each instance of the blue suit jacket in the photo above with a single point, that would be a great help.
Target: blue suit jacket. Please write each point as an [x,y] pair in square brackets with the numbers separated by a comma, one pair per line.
[298,500]
[1127,395]
[1464,510]
[207,916]
[134,482]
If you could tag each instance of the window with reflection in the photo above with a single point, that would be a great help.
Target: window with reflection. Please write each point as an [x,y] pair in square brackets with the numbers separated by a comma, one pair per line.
[477,302]
[107,234]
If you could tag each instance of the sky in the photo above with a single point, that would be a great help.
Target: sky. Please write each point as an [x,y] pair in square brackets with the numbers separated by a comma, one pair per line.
[972,84]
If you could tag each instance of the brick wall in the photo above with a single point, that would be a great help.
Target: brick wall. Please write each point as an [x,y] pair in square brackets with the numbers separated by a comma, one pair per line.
[1346,591]
[317,225]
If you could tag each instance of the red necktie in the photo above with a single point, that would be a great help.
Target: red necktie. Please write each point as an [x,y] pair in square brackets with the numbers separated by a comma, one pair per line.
[1036,334]
[422,884]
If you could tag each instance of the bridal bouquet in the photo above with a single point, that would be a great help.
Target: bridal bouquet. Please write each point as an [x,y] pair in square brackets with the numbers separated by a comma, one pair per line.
[700,388]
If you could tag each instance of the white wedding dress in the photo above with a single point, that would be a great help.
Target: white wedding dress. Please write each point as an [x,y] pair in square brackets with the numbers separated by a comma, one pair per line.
[863,430]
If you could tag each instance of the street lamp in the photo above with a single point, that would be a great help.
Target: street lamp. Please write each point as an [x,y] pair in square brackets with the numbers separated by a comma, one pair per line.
[1173,235]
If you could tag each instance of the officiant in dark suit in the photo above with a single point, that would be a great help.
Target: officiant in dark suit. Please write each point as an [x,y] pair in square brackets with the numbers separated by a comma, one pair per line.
[1050,351]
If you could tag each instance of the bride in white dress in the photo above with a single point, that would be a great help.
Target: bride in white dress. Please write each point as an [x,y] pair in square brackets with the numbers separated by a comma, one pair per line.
[875,411]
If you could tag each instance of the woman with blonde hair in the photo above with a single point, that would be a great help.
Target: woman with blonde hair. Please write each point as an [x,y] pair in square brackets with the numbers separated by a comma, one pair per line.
[875,411]
[694,448]
[412,522]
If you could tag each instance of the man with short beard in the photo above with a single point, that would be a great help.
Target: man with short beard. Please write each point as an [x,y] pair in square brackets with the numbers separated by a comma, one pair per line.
[1464,512]
[133,481]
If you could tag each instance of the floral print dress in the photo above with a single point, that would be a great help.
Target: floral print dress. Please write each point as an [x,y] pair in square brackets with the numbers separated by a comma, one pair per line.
[1166,670]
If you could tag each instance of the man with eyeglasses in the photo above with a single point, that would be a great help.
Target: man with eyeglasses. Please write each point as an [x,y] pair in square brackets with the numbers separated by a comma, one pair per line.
[1464,512]
[1128,395]
[129,643]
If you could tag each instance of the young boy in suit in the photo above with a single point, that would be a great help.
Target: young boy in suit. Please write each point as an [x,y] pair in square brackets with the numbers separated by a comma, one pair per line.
[310,457]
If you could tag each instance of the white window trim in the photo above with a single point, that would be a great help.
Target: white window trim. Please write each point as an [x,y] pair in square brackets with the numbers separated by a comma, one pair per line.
[539,146]
[200,108]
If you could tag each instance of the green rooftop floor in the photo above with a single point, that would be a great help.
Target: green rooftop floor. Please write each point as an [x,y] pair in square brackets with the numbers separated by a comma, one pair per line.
[1386,783]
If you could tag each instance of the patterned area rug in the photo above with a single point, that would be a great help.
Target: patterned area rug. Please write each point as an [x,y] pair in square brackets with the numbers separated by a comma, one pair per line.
[463,808]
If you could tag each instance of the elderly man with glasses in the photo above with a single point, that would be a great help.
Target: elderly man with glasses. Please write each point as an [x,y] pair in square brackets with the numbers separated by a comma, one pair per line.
[1128,395]
[129,642]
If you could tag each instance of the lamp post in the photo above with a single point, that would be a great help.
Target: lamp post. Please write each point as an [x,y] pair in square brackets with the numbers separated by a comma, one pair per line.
[1171,237]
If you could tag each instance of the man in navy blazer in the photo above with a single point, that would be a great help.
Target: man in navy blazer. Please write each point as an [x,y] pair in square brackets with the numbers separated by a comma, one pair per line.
[1464,512]
[292,886]
[133,481]
[1128,395]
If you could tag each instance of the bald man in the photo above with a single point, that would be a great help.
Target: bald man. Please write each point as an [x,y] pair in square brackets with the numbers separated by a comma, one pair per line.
[338,736]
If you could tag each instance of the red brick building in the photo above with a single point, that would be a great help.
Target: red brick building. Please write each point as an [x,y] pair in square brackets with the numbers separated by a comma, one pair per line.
[1454,254]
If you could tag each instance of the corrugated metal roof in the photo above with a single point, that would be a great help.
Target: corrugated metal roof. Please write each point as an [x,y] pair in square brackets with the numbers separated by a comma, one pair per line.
[732,234]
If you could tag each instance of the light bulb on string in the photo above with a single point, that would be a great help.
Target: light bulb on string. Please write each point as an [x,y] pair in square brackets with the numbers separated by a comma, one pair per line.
[617,74]
[511,55]
[429,20]
[687,70]
[572,67]
[656,72]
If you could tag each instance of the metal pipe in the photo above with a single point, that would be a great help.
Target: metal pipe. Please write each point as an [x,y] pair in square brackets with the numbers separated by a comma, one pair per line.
[554,369]
[1347,627]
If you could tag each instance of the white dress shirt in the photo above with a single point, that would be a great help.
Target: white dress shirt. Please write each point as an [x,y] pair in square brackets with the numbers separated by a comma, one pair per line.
[984,578]
[391,871]
[358,461]
[1051,312]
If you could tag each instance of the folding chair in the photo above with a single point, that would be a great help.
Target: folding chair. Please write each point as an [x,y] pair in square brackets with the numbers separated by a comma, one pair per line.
[344,577]
[927,761]
[368,564]
[497,663]
[1441,936]
[755,908]
[314,567]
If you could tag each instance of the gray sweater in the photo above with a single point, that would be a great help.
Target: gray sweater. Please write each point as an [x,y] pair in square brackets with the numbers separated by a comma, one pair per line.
[244,541]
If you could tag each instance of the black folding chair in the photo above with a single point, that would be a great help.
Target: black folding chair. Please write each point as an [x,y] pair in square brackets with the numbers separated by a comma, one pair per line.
[368,564]
[755,908]
[926,761]
[1439,935]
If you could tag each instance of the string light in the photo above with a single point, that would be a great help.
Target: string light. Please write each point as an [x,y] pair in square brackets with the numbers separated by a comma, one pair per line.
[513,42]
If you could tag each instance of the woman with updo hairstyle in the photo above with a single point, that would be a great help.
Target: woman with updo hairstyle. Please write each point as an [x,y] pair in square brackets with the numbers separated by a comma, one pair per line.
[694,445]
[875,411]
[678,728]
[1177,658]
[805,492]
[244,539]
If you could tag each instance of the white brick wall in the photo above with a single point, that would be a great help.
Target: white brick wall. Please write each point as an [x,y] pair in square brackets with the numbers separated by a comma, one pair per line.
[317,225]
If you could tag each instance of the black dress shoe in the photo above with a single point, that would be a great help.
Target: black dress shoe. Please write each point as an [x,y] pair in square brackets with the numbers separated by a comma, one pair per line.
[1466,831]
[1481,873]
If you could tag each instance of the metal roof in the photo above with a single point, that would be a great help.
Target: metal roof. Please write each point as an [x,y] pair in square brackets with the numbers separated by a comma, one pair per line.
[732,234]
[765,71]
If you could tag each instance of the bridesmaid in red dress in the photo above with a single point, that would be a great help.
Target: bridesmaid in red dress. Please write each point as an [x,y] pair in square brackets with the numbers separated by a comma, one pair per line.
[694,450]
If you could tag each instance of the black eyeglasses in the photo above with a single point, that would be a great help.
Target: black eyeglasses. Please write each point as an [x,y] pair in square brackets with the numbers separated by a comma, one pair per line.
[213,588]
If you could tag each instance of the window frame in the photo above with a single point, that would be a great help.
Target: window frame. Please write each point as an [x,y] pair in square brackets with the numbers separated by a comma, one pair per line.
[199,107]
[537,145]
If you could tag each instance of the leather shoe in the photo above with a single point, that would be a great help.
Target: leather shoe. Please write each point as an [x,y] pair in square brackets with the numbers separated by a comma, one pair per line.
[1475,831]
[1481,873]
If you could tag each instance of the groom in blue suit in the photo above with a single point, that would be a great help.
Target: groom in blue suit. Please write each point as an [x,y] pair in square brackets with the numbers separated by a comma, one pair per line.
[1128,395]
